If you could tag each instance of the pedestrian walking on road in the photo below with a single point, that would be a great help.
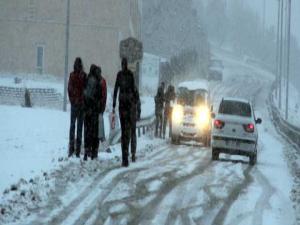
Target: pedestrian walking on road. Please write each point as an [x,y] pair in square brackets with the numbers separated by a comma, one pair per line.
[169,98]
[159,108]
[102,108]
[92,98]
[76,85]
[135,116]
[125,86]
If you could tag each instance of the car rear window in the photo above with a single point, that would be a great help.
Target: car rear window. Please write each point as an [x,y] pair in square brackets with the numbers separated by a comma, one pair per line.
[235,108]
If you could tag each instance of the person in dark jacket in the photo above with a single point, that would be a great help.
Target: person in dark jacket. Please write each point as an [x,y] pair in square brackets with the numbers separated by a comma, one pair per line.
[135,116]
[92,99]
[102,108]
[169,97]
[159,108]
[76,86]
[125,86]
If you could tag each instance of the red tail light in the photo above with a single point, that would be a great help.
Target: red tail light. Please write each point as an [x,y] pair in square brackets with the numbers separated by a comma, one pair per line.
[249,127]
[219,124]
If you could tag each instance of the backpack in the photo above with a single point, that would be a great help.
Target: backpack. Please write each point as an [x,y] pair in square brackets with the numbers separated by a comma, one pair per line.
[91,90]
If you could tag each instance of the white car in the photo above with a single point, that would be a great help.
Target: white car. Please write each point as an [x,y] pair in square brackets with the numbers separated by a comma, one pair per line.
[191,115]
[234,129]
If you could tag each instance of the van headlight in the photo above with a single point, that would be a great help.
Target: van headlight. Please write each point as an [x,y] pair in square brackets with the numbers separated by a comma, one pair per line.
[202,116]
[177,113]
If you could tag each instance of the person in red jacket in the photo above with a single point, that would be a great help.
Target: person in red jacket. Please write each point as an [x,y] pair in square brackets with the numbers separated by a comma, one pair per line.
[76,85]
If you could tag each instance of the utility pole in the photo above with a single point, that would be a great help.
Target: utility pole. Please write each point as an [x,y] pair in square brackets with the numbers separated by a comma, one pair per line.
[264,17]
[280,53]
[277,51]
[66,55]
[288,60]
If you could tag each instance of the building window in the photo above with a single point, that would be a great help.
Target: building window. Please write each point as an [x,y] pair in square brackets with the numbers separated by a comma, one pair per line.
[40,58]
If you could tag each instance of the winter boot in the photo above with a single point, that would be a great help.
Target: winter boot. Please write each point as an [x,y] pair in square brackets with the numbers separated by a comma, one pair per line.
[78,152]
[85,157]
[133,158]
[71,150]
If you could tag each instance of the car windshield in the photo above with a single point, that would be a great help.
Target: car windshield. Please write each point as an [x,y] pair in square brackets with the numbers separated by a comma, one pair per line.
[235,108]
[191,97]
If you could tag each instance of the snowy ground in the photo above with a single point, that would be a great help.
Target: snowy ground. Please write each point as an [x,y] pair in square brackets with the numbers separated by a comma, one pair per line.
[171,184]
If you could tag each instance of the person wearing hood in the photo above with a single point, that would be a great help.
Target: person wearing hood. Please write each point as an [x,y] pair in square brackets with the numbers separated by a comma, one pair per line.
[125,87]
[92,99]
[76,84]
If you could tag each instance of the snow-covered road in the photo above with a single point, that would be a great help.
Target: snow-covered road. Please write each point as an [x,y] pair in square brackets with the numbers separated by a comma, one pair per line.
[180,184]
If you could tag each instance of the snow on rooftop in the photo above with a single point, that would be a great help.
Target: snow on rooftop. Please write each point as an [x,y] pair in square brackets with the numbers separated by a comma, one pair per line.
[194,85]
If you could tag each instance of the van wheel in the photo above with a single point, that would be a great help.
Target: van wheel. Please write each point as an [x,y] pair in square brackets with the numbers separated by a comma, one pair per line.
[175,140]
[214,154]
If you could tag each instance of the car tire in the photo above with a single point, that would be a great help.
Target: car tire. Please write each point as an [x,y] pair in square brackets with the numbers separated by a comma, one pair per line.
[214,154]
[252,159]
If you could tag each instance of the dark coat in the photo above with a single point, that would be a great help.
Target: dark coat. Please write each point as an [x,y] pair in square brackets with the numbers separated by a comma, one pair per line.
[93,105]
[136,108]
[76,87]
[103,95]
[124,83]
[159,100]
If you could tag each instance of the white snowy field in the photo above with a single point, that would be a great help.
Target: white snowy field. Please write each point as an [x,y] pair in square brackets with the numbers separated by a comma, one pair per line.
[35,140]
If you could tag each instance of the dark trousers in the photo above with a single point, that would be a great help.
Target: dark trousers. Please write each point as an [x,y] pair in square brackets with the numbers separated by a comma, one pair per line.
[91,127]
[133,135]
[158,123]
[76,115]
[125,120]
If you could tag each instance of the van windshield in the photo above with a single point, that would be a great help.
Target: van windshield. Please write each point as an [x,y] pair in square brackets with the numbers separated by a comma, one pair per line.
[235,108]
[191,97]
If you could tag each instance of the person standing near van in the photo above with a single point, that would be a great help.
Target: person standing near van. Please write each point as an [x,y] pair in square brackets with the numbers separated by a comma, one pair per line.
[169,97]
[159,108]
[76,86]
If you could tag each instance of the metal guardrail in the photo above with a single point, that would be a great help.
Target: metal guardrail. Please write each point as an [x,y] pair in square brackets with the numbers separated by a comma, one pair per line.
[291,131]
[142,127]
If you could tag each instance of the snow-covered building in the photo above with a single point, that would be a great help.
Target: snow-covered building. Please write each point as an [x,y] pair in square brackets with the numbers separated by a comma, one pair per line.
[33,34]
[150,72]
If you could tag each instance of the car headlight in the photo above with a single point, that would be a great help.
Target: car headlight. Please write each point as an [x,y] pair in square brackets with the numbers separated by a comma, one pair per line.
[203,116]
[177,113]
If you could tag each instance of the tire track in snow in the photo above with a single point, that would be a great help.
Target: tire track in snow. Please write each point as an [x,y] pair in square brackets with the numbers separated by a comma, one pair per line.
[235,192]
[148,212]
[65,211]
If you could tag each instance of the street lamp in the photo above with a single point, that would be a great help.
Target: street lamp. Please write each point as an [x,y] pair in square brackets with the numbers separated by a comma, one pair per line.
[66,55]
[288,59]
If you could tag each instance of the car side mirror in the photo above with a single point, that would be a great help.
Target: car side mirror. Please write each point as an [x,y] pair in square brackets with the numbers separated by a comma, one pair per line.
[258,121]
[213,115]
